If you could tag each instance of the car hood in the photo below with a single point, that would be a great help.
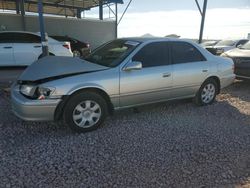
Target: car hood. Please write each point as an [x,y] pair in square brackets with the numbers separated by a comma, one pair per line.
[57,67]
[238,53]
[222,46]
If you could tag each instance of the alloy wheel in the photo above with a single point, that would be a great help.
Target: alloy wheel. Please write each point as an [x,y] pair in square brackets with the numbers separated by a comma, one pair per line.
[208,93]
[87,114]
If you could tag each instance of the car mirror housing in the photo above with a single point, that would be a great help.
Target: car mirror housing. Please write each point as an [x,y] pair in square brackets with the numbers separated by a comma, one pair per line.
[133,65]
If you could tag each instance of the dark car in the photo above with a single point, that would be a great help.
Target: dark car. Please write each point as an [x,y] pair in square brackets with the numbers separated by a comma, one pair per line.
[79,49]
[241,58]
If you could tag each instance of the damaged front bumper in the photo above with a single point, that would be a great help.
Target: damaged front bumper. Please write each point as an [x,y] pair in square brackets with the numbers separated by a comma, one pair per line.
[32,110]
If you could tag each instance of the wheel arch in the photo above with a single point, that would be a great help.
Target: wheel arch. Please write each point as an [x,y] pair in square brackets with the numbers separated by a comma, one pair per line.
[217,79]
[60,108]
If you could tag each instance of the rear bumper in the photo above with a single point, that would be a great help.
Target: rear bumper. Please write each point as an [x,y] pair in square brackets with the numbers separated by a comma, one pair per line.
[64,53]
[227,80]
[33,110]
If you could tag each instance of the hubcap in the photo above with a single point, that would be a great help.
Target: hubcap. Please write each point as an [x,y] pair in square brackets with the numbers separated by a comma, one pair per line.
[208,93]
[87,113]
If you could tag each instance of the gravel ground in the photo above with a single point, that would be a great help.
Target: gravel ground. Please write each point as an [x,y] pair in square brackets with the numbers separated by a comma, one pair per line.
[173,144]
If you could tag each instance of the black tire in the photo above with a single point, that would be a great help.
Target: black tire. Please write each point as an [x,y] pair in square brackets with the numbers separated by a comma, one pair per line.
[77,52]
[75,101]
[199,100]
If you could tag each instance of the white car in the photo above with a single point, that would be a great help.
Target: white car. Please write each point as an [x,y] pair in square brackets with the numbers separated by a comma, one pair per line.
[18,48]
[226,45]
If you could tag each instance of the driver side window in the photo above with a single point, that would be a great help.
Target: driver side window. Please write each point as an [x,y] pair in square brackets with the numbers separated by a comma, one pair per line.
[153,54]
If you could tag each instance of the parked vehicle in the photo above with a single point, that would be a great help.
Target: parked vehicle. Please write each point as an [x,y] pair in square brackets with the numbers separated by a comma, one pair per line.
[79,49]
[18,48]
[241,58]
[121,74]
[209,45]
[226,45]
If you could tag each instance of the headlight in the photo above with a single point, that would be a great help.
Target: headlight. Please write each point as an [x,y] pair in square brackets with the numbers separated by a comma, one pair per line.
[220,51]
[44,92]
[224,55]
[28,90]
[36,92]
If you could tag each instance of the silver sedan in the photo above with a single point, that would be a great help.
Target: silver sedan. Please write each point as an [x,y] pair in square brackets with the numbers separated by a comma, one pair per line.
[123,73]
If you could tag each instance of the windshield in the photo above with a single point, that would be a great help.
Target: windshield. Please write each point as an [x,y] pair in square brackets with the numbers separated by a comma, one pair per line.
[226,43]
[112,53]
[246,46]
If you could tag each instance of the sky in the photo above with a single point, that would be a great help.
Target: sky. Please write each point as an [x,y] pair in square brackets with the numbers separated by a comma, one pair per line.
[225,19]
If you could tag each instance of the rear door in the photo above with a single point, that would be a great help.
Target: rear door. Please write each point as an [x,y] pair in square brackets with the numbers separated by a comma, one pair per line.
[190,69]
[27,48]
[6,50]
[153,82]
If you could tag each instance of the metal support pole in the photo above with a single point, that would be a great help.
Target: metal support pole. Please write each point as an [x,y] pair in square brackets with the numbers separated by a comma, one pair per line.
[116,20]
[101,9]
[44,39]
[124,12]
[22,15]
[203,20]
[17,6]
[78,13]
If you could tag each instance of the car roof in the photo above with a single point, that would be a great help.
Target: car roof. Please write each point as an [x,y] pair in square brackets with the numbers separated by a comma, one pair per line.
[155,39]
[28,32]
[144,39]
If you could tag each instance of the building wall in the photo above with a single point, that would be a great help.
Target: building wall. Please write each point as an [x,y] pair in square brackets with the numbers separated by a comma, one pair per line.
[95,32]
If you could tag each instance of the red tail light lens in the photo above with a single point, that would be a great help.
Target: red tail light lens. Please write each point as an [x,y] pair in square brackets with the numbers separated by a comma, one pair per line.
[66,46]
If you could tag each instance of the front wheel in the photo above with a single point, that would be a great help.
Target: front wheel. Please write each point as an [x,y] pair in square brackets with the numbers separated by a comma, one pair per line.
[207,93]
[85,111]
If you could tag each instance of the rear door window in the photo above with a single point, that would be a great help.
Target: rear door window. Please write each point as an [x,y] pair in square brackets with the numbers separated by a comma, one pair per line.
[153,54]
[183,52]
[6,38]
[26,38]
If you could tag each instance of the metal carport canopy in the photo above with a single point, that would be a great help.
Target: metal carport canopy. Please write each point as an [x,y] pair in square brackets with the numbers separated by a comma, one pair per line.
[56,7]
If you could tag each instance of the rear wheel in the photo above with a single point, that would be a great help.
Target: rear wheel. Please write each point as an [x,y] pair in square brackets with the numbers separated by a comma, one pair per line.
[77,53]
[207,93]
[85,111]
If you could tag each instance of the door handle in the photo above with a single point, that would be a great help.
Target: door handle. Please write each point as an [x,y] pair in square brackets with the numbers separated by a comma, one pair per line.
[205,70]
[37,46]
[165,75]
[7,47]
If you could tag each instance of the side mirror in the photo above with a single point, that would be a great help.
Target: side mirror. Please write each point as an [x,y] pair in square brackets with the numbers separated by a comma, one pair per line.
[133,65]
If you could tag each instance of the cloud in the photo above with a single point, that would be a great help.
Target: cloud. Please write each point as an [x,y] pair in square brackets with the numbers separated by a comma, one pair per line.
[220,23]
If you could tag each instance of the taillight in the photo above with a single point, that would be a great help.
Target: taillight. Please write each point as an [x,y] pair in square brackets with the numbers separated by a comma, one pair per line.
[66,46]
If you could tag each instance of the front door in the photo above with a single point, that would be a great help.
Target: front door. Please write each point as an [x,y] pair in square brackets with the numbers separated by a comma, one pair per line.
[153,82]
[27,48]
